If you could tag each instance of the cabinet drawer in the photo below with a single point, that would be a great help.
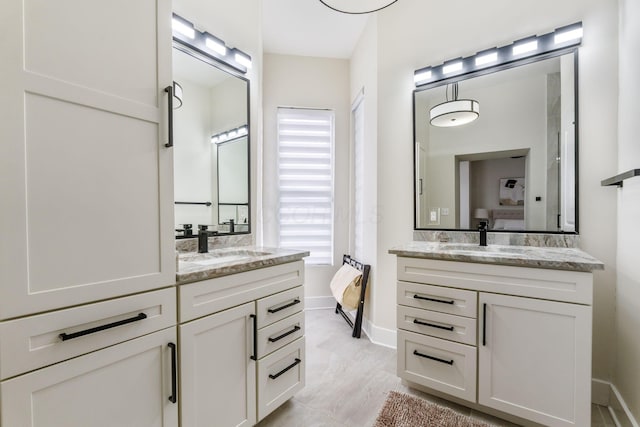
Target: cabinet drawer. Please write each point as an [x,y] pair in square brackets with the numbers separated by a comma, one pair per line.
[441,365]
[280,376]
[279,306]
[209,296]
[441,325]
[280,333]
[33,342]
[437,298]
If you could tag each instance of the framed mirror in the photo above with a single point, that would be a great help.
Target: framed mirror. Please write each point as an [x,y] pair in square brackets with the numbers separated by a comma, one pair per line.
[211,149]
[515,166]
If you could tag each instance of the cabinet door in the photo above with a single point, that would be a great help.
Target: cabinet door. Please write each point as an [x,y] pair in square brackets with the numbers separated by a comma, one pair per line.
[85,178]
[128,384]
[218,376]
[535,359]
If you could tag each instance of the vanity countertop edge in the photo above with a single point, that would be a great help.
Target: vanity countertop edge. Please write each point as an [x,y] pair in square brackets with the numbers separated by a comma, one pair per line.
[189,271]
[571,259]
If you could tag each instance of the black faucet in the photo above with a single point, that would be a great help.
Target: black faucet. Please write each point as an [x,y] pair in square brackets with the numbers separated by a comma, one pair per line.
[232,225]
[203,239]
[483,233]
[186,230]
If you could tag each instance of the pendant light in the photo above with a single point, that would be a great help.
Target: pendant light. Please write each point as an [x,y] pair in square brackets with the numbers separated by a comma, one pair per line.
[454,112]
[357,7]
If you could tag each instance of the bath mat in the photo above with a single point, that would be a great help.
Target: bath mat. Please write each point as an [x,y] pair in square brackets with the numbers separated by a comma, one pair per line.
[402,410]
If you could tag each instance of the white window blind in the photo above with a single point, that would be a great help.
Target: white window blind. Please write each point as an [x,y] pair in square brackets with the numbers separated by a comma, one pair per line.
[305,177]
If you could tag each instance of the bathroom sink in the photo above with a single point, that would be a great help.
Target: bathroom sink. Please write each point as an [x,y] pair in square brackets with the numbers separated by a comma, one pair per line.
[480,250]
[221,256]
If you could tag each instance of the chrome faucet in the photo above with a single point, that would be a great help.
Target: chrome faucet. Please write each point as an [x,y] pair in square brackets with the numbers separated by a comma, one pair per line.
[482,228]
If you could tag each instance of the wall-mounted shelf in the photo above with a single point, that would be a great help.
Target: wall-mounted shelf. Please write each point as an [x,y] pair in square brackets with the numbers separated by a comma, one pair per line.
[617,180]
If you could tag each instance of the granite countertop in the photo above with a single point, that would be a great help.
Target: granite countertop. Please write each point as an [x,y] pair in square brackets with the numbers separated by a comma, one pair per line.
[521,256]
[193,266]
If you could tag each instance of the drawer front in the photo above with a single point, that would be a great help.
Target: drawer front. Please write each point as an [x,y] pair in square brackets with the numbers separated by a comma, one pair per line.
[441,365]
[209,296]
[280,376]
[33,342]
[437,298]
[440,325]
[277,307]
[279,334]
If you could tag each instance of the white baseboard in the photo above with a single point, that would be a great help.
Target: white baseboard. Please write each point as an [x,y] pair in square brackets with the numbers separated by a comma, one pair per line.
[606,394]
[319,303]
[380,336]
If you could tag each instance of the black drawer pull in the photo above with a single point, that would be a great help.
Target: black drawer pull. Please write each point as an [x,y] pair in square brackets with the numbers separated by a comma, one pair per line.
[448,362]
[484,324]
[291,304]
[174,374]
[434,300]
[274,376]
[278,338]
[255,337]
[420,322]
[64,336]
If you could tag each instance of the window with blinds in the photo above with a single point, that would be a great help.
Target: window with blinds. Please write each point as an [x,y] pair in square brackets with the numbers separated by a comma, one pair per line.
[305,179]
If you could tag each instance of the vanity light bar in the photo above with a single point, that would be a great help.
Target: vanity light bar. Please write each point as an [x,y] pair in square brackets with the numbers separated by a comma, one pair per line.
[209,45]
[230,135]
[563,38]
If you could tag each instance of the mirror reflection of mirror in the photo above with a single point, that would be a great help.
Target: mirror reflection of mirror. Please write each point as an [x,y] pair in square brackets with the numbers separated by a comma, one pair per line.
[214,102]
[514,167]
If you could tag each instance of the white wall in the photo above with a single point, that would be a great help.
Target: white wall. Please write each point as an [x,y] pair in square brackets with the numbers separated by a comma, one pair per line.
[413,34]
[627,372]
[239,24]
[298,81]
[364,76]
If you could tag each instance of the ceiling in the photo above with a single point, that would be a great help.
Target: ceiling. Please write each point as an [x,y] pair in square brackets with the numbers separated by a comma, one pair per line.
[308,28]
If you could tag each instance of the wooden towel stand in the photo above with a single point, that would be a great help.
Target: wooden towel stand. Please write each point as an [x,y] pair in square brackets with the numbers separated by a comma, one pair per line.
[357,325]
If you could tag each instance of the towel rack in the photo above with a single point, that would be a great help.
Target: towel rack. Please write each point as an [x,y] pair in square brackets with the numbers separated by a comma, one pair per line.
[193,203]
[617,180]
[357,323]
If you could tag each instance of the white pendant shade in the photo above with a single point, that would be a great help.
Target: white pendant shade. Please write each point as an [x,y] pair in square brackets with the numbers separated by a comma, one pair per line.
[454,113]
[357,6]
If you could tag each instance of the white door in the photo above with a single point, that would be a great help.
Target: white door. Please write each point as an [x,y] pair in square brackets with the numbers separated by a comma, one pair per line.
[218,376]
[127,385]
[535,359]
[85,179]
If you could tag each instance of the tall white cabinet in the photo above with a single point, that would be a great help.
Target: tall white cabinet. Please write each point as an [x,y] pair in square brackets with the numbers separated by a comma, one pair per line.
[87,264]
[85,179]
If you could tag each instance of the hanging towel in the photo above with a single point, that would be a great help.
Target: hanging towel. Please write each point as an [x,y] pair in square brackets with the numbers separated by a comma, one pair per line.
[345,286]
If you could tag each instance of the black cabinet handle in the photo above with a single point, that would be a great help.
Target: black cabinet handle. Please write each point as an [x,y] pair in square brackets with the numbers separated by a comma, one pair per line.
[275,310]
[420,322]
[174,374]
[278,338]
[255,337]
[437,359]
[169,90]
[433,299]
[484,324]
[274,376]
[64,336]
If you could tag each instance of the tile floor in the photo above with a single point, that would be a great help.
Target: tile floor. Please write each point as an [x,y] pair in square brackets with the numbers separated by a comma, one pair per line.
[348,380]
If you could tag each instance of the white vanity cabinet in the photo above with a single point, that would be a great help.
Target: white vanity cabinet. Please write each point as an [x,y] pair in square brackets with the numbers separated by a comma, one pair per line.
[85,178]
[241,345]
[516,340]
[112,363]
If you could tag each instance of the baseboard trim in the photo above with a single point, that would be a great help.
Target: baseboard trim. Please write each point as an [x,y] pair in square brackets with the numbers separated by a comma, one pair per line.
[606,394]
[619,410]
[380,336]
[319,303]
